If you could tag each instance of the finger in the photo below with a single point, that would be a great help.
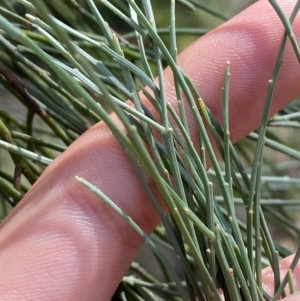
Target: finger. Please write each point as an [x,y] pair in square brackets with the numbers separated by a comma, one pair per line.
[294,297]
[62,241]
[284,264]
[250,42]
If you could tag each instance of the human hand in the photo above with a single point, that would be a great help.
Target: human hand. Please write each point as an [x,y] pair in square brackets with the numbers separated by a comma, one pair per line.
[63,241]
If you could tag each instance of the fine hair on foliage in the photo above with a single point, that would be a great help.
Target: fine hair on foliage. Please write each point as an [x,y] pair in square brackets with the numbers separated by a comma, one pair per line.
[66,65]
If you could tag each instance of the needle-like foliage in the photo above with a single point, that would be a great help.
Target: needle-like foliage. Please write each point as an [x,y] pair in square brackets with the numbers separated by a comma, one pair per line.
[71,63]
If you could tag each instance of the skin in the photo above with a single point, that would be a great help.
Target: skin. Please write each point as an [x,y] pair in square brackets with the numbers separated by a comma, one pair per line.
[63,241]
